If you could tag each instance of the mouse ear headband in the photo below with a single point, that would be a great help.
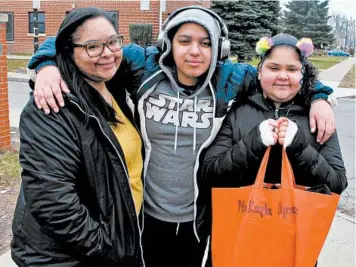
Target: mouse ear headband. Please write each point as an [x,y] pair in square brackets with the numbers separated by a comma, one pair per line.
[305,45]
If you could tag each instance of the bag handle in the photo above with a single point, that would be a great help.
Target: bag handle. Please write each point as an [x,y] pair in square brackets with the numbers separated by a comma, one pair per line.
[287,179]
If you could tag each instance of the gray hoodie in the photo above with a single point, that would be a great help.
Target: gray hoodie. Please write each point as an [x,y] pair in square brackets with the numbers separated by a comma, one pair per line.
[177,125]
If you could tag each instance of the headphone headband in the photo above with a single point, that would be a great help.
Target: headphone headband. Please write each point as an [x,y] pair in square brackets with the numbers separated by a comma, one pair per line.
[224,42]
[222,24]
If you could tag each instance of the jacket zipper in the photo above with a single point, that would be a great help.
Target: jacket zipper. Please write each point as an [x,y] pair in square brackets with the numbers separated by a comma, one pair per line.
[276,110]
[276,113]
[122,163]
[196,165]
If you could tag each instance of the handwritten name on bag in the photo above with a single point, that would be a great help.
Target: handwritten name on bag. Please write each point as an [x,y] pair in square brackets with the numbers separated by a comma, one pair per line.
[265,210]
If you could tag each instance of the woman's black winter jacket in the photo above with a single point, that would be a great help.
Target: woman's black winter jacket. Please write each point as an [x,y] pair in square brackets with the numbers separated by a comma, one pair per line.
[233,159]
[75,206]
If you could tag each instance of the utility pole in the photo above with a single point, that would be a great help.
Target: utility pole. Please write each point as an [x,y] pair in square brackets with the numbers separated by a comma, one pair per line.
[162,8]
[5,137]
[36,7]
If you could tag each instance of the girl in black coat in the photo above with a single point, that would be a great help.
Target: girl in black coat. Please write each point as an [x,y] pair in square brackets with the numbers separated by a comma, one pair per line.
[276,114]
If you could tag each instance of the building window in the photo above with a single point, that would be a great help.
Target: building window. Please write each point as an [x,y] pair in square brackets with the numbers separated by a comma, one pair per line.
[9,26]
[145,4]
[113,15]
[41,22]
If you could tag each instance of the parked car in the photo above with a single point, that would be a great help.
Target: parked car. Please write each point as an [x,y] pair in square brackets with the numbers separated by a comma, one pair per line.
[338,53]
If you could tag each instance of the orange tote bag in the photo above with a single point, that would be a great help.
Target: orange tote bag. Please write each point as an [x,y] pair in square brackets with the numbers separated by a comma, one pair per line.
[254,226]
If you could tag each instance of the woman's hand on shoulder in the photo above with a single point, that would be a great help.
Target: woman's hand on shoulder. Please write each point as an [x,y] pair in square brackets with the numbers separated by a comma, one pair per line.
[49,86]
[322,116]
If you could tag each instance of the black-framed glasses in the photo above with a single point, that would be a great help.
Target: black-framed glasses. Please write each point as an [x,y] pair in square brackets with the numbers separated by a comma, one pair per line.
[95,49]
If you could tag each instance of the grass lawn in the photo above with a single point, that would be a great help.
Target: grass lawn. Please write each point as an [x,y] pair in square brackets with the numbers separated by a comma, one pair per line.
[17,65]
[320,63]
[10,180]
[349,80]
[9,167]
[325,62]
[22,54]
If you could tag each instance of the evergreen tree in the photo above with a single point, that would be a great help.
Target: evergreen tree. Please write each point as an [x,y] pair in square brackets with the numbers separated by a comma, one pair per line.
[274,21]
[309,19]
[247,21]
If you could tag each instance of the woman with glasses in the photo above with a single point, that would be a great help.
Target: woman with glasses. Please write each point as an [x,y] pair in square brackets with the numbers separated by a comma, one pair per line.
[81,187]
[95,48]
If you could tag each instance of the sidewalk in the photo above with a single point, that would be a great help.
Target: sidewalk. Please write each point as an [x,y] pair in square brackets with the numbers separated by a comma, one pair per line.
[6,261]
[336,73]
[339,247]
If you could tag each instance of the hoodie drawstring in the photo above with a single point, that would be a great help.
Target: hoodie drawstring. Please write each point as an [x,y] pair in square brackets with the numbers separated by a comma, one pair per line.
[177,123]
[195,128]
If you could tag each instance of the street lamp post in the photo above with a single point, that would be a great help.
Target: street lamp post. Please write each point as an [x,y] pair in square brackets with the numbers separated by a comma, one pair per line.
[162,8]
[36,6]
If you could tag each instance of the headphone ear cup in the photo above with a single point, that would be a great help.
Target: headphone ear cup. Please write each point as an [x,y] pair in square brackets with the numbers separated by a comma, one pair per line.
[224,48]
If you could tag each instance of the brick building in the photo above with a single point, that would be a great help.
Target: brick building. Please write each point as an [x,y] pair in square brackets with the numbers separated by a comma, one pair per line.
[19,35]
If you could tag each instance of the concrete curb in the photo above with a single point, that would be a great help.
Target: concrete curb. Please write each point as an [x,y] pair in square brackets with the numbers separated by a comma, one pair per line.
[17,77]
[346,217]
[18,57]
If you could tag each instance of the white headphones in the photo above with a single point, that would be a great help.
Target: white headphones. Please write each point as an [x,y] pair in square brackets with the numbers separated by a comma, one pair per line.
[224,42]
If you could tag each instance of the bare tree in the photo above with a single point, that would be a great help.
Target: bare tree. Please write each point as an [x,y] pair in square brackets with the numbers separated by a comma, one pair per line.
[344,30]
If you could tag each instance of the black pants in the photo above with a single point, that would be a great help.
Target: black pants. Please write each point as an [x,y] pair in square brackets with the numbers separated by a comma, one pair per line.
[170,244]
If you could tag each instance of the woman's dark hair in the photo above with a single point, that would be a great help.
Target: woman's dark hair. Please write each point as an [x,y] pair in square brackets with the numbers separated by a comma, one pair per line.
[309,72]
[88,97]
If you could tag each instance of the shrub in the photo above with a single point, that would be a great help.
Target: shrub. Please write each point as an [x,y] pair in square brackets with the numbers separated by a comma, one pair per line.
[319,53]
[141,34]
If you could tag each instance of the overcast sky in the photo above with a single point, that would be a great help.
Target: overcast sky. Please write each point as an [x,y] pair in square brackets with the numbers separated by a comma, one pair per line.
[346,7]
